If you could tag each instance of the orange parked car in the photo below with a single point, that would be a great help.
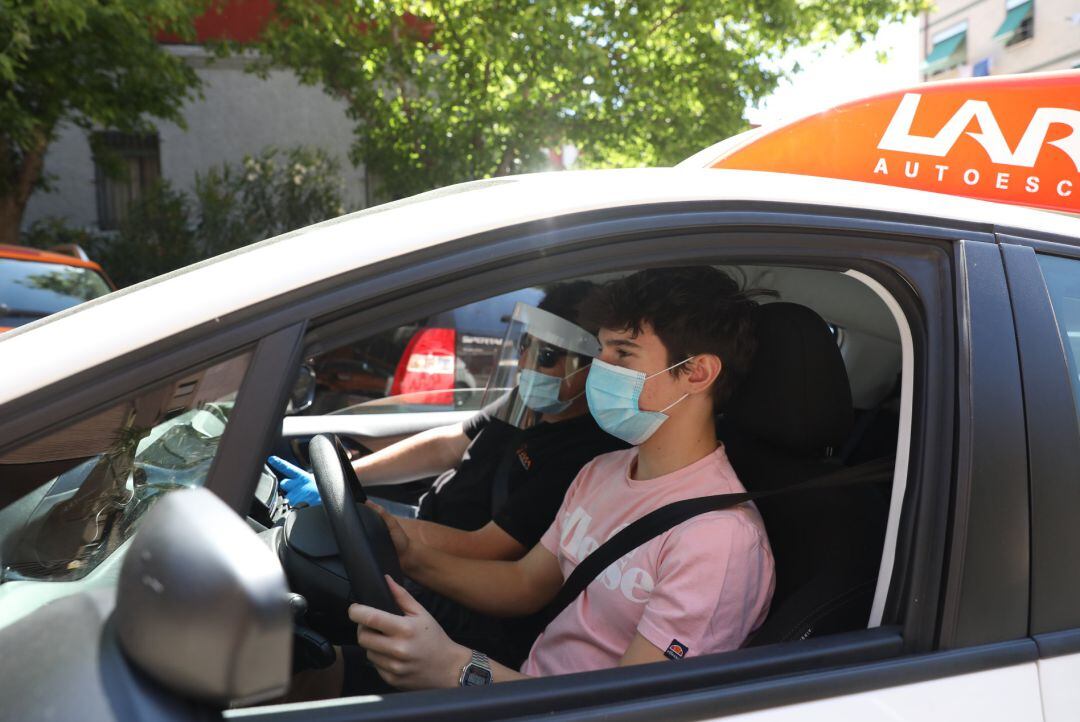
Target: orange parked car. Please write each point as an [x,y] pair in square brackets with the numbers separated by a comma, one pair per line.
[36,283]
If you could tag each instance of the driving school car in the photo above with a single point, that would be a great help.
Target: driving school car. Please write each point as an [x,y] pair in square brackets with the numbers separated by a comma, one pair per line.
[151,569]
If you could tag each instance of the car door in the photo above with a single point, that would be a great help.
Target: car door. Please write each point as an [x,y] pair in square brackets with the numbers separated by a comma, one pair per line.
[940,650]
[1044,279]
[966,638]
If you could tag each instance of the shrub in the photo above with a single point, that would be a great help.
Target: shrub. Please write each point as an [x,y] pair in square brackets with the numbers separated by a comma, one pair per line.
[266,195]
[231,206]
[155,238]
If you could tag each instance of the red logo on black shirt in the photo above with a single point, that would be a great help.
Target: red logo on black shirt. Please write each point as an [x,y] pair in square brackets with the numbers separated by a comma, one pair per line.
[523,457]
[676,650]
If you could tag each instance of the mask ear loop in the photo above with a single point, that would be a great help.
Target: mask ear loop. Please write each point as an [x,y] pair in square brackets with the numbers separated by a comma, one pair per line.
[570,401]
[663,410]
[673,403]
[669,367]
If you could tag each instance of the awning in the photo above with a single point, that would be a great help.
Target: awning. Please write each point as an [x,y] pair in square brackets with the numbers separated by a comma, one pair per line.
[1014,18]
[947,53]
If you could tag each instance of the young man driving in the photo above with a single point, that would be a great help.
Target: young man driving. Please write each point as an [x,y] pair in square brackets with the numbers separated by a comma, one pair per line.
[503,473]
[674,344]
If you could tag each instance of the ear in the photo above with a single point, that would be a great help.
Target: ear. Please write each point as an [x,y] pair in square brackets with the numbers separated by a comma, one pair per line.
[703,370]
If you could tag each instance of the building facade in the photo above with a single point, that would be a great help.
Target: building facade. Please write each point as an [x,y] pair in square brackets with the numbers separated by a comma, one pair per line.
[238,114]
[962,38]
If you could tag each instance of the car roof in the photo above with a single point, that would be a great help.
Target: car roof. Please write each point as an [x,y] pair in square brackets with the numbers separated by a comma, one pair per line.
[26,253]
[71,341]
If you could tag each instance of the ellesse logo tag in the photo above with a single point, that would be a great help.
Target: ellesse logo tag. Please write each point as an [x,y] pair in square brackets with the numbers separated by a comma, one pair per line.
[676,650]
[898,137]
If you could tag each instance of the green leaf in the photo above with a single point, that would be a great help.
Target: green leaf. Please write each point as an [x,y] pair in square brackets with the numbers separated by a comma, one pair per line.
[448,91]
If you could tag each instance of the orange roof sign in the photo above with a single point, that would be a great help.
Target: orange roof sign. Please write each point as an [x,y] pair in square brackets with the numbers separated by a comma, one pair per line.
[1010,139]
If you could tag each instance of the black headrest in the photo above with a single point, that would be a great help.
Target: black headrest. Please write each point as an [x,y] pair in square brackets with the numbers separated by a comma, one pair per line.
[797,394]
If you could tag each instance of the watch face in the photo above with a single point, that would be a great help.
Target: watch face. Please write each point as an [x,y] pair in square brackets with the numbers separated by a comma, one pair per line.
[476,676]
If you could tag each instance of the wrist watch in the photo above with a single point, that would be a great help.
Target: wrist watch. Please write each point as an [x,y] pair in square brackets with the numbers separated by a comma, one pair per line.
[476,672]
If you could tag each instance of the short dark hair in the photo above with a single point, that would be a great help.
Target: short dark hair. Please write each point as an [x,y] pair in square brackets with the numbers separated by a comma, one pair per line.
[693,310]
[567,299]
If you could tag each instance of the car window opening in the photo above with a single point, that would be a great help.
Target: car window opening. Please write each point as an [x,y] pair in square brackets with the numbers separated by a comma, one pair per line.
[805,410]
[834,549]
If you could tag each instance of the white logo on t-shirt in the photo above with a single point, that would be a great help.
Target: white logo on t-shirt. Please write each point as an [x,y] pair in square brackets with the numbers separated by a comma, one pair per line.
[634,582]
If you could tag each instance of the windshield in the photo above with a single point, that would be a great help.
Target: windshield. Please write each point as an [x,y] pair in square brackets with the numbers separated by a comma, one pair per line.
[69,500]
[30,289]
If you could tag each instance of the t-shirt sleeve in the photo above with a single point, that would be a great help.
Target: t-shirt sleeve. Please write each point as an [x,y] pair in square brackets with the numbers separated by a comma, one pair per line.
[483,417]
[714,581]
[475,424]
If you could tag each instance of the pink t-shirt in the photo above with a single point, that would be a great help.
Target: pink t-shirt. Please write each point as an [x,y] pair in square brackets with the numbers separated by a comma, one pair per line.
[699,588]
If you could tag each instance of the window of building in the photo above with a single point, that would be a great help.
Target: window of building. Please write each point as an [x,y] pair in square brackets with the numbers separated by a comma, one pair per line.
[1019,23]
[126,165]
[949,50]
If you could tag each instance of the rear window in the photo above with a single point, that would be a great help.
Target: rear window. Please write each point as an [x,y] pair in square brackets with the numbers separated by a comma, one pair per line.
[1063,281]
[30,290]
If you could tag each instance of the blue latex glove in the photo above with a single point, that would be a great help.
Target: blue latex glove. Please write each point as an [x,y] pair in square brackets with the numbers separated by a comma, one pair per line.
[298,485]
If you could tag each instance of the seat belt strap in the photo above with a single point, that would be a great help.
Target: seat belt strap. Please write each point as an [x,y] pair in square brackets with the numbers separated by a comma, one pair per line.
[671,515]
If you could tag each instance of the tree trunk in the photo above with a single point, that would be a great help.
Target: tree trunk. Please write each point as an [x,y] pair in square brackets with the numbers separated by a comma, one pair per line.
[11,215]
[23,173]
[505,163]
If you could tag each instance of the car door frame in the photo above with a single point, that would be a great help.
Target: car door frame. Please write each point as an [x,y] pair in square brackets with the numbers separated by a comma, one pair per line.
[1053,431]
[473,267]
[544,696]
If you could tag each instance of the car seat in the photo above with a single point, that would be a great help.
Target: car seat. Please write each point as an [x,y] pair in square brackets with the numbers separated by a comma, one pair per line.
[781,428]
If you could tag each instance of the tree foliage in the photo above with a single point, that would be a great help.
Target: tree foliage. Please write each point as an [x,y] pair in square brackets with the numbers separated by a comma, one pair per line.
[451,90]
[266,195]
[93,63]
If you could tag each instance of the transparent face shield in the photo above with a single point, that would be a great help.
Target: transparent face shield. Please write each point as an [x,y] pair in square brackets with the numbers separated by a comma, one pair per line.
[541,369]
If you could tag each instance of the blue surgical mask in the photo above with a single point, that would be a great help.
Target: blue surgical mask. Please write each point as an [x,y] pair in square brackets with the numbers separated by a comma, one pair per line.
[540,392]
[613,393]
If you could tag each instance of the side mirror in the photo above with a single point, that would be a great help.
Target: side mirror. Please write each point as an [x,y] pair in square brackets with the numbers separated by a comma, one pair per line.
[303,392]
[202,604]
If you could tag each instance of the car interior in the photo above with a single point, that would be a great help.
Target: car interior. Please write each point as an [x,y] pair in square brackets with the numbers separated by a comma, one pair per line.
[827,392]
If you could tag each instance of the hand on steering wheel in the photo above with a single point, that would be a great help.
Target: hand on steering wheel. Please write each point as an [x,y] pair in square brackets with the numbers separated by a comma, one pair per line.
[298,485]
[398,534]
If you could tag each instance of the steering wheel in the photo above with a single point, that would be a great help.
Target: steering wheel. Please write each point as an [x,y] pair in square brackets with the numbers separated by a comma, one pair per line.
[364,544]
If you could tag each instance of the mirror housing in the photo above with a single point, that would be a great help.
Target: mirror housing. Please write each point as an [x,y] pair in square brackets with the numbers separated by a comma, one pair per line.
[202,604]
[302,395]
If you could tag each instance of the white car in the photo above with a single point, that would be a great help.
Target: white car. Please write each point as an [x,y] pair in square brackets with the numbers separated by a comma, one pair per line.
[948,591]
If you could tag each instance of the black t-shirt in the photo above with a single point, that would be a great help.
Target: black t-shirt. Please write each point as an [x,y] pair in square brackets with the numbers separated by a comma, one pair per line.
[536,467]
